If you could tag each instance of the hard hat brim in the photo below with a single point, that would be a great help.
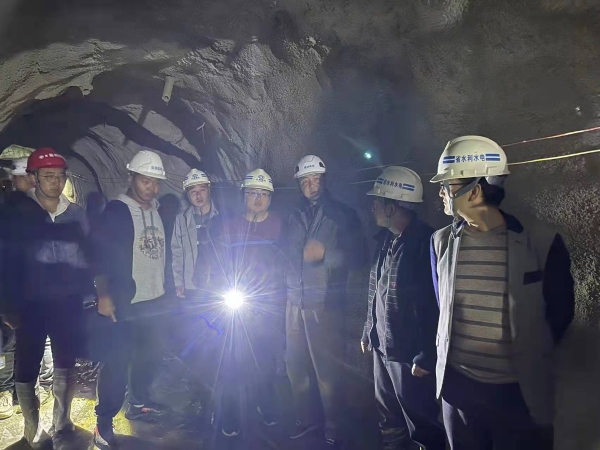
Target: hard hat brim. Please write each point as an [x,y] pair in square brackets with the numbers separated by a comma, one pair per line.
[197,183]
[373,193]
[261,188]
[440,177]
[149,175]
[314,172]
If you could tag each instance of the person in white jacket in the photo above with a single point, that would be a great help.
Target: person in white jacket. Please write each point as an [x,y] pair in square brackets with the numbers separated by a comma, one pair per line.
[191,231]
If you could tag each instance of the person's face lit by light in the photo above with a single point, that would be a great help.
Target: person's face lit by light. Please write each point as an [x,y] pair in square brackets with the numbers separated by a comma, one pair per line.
[257,201]
[312,186]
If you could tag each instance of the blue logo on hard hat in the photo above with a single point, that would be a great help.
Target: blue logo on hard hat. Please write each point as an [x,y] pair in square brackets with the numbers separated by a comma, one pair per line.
[384,182]
[492,157]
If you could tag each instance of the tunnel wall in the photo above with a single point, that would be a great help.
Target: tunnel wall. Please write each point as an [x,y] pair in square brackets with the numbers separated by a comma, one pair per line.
[262,83]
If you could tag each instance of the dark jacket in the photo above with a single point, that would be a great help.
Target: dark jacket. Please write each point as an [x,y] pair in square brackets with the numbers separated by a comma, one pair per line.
[541,303]
[410,306]
[112,243]
[338,228]
[44,260]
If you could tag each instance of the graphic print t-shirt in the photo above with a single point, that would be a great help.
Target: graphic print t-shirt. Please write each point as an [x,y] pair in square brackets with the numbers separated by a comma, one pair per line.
[148,269]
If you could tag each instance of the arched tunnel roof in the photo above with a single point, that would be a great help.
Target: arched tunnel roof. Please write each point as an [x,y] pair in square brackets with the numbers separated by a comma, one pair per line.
[260,83]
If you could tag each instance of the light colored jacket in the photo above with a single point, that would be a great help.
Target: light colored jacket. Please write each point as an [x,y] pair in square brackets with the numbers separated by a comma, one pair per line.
[184,246]
[540,301]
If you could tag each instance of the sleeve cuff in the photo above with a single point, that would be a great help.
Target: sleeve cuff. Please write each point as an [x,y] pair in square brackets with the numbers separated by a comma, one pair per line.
[425,362]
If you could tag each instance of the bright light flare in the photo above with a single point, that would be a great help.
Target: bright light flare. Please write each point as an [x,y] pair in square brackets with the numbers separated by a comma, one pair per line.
[234,299]
[368,155]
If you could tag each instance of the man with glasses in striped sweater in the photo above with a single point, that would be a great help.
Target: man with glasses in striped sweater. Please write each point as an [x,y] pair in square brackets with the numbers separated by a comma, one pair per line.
[506,298]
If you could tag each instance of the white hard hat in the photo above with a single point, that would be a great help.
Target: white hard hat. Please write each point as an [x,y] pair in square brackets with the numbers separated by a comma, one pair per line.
[258,179]
[471,157]
[308,165]
[147,163]
[19,167]
[195,177]
[398,183]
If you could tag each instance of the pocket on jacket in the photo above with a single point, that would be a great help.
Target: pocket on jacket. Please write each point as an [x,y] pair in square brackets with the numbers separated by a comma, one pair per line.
[533,277]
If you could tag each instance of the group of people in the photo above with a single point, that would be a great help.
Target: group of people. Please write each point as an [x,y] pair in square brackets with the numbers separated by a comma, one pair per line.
[469,314]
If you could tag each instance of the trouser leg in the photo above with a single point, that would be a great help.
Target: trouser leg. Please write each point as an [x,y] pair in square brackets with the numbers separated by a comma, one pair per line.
[148,334]
[394,429]
[512,425]
[266,347]
[110,389]
[324,336]
[47,369]
[29,348]
[298,365]
[7,373]
[112,377]
[64,330]
[65,383]
[464,431]
[417,399]
[30,338]
[484,416]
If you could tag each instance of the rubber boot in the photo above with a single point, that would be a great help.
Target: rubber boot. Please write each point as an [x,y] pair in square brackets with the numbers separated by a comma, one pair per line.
[65,381]
[30,407]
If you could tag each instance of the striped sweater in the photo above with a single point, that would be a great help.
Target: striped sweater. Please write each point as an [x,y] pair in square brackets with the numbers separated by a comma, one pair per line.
[481,340]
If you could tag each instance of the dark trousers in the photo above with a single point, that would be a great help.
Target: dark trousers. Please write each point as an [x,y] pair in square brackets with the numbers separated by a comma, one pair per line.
[135,353]
[248,373]
[480,416]
[112,376]
[7,380]
[314,358]
[407,405]
[61,320]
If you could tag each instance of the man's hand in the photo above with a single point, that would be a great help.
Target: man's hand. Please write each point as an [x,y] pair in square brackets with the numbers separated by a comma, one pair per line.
[180,291]
[363,346]
[12,320]
[106,307]
[418,372]
[314,251]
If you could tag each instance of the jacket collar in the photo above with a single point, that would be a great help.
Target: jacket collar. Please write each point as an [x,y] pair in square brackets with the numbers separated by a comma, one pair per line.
[63,204]
[325,200]
[189,212]
[412,227]
[512,223]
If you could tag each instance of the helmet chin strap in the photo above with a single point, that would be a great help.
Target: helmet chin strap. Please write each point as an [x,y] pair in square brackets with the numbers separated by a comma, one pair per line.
[451,199]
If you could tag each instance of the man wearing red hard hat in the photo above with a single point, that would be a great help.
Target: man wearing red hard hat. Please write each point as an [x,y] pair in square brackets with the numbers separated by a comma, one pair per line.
[47,280]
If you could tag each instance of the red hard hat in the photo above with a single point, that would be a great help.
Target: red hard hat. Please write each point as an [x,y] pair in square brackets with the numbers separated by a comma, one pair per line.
[45,158]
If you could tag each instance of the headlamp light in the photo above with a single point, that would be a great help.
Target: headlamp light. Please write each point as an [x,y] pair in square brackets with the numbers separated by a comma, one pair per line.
[234,299]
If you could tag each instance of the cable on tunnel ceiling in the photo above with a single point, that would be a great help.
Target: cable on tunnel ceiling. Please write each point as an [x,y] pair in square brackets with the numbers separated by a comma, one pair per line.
[554,136]
[570,133]
[549,158]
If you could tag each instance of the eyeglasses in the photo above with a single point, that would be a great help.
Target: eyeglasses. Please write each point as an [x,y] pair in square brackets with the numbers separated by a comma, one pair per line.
[54,178]
[453,184]
[259,194]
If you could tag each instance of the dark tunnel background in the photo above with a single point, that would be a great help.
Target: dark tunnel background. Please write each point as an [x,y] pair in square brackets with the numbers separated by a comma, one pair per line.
[261,83]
